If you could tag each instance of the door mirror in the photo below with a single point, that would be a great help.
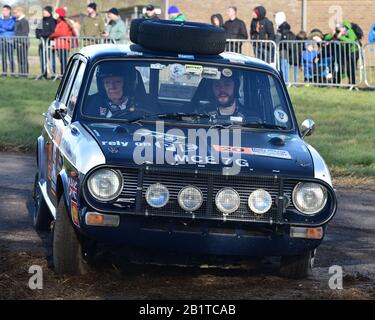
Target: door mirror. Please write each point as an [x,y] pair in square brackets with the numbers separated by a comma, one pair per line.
[307,128]
[57,110]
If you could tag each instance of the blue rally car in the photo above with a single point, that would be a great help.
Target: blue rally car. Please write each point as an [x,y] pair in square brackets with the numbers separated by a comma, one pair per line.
[170,146]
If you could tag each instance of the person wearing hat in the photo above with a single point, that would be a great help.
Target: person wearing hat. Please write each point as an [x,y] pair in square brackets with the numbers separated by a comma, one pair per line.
[175,14]
[93,23]
[116,28]
[63,38]
[45,28]
[345,33]
[225,91]
[150,13]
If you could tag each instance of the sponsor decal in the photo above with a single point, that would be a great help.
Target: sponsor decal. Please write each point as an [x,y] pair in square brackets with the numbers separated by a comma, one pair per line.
[115,143]
[73,189]
[227,73]
[75,212]
[194,69]
[157,66]
[232,149]
[281,116]
[211,73]
[273,153]
[176,70]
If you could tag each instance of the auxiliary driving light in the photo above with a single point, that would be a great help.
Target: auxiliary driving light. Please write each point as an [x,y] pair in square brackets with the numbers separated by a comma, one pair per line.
[157,195]
[190,198]
[260,201]
[227,201]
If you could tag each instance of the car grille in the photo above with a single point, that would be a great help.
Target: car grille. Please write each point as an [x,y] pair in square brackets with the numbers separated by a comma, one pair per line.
[136,181]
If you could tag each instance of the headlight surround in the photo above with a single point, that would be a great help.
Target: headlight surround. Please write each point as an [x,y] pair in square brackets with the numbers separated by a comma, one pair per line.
[157,195]
[190,198]
[260,201]
[309,197]
[105,184]
[227,201]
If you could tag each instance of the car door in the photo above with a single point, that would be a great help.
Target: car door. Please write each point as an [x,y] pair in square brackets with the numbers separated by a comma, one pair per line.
[54,129]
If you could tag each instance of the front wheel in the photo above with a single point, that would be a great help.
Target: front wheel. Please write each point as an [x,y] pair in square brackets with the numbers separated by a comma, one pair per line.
[297,267]
[67,248]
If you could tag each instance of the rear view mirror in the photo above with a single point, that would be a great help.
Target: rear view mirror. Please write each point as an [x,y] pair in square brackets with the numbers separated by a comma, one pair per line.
[57,110]
[307,128]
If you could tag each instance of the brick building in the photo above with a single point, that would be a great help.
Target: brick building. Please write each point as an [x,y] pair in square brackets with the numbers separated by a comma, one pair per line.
[323,14]
[318,13]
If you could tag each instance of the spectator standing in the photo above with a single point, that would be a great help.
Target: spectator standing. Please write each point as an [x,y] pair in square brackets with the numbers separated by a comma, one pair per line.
[345,33]
[261,28]
[371,35]
[42,32]
[175,14]
[93,24]
[22,30]
[116,28]
[217,20]
[235,29]
[63,38]
[283,39]
[7,25]
[150,13]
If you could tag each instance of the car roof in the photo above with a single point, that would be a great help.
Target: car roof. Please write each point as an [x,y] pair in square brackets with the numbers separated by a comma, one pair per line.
[103,51]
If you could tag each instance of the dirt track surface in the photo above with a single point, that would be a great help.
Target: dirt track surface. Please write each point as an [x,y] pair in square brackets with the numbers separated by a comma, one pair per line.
[350,243]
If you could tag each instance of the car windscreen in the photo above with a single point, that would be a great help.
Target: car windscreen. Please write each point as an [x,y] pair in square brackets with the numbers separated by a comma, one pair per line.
[193,92]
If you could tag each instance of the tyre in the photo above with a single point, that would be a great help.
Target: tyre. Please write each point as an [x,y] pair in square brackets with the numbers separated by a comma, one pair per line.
[187,37]
[134,27]
[42,217]
[67,248]
[297,267]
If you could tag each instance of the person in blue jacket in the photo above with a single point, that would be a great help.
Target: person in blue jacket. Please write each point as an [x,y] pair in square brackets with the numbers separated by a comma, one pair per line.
[7,32]
[371,35]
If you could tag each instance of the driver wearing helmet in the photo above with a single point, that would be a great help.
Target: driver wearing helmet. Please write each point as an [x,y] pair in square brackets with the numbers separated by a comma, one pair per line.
[225,91]
[113,98]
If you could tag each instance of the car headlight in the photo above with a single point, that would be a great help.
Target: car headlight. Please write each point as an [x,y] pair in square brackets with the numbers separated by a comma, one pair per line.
[190,198]
[105,184]
[309,198]
[157,195]
[227,201]
[260,201]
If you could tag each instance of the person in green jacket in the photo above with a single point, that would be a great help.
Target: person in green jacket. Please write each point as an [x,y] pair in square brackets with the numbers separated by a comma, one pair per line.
[175,14]
[350,51]
[116,28]
[93,23]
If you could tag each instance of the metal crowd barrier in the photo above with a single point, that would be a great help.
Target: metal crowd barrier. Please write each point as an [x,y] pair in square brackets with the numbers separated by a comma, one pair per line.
[301,62]
[261,49]
[369,60]
[325,63]
[40,58]
[56,53]
[19,56]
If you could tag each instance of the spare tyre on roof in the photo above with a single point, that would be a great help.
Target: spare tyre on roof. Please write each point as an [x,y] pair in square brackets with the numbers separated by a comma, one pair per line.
[178,37]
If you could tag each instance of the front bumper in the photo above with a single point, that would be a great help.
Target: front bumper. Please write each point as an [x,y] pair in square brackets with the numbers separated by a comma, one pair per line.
[200,237]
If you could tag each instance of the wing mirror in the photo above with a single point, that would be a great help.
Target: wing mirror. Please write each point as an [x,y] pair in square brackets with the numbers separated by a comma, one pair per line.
[58,110]
[307,128]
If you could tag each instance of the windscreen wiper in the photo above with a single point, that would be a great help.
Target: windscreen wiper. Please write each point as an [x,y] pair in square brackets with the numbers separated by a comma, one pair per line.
[263,125]
[175,115]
